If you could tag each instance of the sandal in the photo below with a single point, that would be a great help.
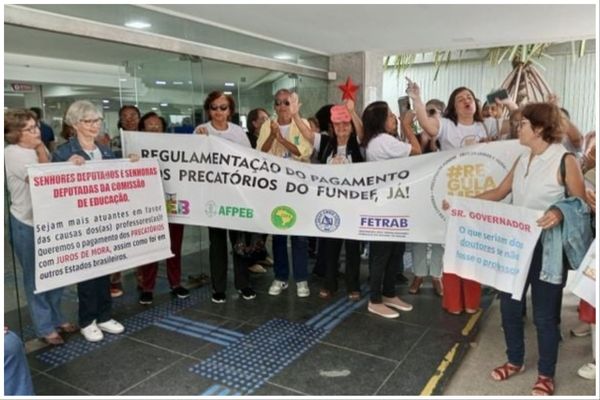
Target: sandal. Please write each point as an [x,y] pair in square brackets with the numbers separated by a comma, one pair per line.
[415,286]
[544,386]
[324,294]
[505,371]
[67,327]
[53,339]
[354,296]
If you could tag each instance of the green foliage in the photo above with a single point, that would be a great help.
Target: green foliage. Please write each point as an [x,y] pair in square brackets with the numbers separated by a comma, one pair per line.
[520,53]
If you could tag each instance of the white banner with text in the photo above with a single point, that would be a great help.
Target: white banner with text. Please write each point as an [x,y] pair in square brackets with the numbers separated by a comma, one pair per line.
[584,284]
[96,219]
[214,182]
[491,243]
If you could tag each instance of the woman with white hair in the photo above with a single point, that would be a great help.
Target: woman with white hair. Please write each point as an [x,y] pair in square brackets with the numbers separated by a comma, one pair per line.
[95,301]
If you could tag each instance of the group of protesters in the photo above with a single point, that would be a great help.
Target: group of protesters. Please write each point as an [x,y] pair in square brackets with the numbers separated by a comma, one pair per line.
[545,177]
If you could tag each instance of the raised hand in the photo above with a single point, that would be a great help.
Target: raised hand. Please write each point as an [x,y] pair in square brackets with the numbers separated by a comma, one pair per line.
[349,103]
[275,131]
[412,89]
[408,117]
[294,104]
[508,102]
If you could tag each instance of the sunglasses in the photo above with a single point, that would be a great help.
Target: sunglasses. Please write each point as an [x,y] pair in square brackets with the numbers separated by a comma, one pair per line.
[222,107]
[280,102]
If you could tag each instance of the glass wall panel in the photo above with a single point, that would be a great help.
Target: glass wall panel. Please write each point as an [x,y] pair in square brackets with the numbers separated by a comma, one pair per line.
[58,69]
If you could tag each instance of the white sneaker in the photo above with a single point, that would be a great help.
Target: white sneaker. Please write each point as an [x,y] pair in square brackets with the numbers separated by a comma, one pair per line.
[91,333]
[111,326]
[302,289]
[581,330]
[381,310]
[396,303]
[588,371]
[277,286]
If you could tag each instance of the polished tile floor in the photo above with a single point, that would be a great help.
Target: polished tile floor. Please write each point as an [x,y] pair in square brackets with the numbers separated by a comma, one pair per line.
[272,345]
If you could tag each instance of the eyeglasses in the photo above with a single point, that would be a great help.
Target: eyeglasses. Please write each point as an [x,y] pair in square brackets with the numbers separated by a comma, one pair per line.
[222,107]
[522,123]
[280,102]
[31,129]
[90,122]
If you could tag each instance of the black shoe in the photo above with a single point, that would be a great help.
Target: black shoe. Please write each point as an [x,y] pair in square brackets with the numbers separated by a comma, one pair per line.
[219,297]
[180,292]
[146,298]
[318,273]
[400,278]
[247,293]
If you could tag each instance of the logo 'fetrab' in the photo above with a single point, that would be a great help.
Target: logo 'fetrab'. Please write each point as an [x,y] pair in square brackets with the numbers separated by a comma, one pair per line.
[327,221]
[283,217]
[211,209]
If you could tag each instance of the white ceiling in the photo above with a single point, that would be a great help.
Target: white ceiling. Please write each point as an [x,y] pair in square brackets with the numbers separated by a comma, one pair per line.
[332,29]
[57,59]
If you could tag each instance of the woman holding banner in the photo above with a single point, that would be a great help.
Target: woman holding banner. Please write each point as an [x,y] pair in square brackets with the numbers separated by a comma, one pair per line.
[95,301]
[541,179]
[25,147]
[342,147]
[381,143]
[220,107]
[152,122]
[460,126]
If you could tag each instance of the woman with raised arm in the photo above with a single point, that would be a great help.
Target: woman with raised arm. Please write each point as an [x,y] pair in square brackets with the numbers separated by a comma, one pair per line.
[341,147]
[460,126]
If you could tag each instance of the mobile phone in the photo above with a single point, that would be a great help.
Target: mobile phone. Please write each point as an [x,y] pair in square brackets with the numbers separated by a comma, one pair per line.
[403,104]
[498,94]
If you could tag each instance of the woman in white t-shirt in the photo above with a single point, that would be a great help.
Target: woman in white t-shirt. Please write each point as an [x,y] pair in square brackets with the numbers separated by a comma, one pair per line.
[220,107]
[460,126]
[25,147]
[380,139]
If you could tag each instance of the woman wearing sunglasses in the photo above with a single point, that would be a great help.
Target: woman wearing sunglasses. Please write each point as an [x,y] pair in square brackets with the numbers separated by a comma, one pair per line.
[220,107]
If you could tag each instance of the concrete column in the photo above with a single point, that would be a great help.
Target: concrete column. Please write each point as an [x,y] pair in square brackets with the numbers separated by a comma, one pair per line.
[365,69]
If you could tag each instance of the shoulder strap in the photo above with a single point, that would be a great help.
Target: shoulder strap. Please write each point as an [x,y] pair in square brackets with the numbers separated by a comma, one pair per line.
[563,172]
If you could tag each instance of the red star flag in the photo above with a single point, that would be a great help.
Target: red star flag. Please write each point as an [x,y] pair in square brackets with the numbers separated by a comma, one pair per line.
[349,90]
